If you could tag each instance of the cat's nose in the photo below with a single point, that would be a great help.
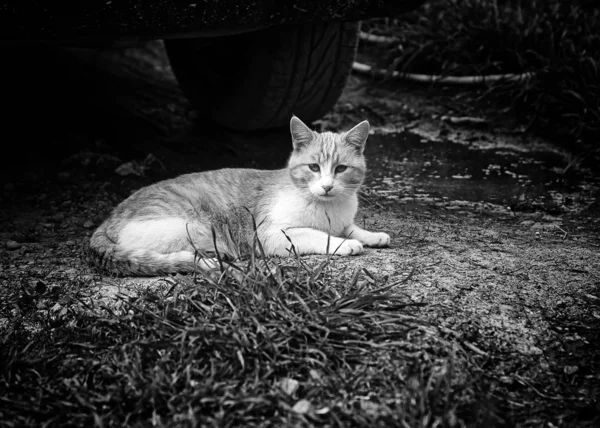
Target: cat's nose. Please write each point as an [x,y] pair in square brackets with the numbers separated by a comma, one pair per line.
[327,187]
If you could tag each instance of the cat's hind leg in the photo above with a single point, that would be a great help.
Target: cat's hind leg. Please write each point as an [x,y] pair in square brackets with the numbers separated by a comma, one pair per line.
[152,263]
[153,247]
[165,235]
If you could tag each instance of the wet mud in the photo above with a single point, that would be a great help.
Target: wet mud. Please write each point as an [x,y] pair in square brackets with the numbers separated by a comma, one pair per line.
[412,170]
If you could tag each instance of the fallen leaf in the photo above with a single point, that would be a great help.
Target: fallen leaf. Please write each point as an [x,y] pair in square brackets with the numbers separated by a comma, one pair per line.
[289,386]
[302,407]
[314,374]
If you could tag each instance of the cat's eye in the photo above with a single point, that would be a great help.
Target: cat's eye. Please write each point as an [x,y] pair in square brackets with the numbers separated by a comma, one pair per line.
[340,168]
[314,167]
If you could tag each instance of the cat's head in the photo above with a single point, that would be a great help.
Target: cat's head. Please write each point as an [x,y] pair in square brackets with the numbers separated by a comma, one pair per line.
[327,166]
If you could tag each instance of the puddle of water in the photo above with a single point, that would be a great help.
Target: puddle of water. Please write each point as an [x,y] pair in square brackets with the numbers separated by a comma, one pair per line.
[407,168]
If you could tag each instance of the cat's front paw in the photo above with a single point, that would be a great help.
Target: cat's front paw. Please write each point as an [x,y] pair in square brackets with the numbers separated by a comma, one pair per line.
[350,247]
[376,239]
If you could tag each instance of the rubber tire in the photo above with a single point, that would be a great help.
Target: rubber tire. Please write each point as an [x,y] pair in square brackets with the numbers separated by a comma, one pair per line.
[258,80]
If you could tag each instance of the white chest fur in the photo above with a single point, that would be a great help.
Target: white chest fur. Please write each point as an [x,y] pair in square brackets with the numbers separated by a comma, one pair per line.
[292,210]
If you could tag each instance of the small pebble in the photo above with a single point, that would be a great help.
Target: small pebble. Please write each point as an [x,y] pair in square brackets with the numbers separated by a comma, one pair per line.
[13,245]
[88,224]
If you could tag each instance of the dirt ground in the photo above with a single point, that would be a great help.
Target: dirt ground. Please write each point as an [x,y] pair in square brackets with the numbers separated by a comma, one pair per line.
[497,231]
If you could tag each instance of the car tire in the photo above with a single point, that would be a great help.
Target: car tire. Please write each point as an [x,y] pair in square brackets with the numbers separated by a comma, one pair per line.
[258,80]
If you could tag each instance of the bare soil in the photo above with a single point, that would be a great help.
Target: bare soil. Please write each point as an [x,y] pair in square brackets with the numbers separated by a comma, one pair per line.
[495,230]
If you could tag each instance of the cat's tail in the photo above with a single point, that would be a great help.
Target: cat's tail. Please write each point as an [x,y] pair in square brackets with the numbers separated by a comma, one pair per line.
[107,255]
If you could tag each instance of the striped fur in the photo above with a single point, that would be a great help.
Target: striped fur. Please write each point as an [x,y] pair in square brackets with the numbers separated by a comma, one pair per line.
[178,225]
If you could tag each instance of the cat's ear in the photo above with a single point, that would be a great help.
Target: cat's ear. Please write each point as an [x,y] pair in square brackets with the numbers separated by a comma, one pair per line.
[301,134]
[357,136]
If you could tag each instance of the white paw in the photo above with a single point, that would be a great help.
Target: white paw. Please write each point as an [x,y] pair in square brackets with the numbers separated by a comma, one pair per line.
[350,247]
[376,239]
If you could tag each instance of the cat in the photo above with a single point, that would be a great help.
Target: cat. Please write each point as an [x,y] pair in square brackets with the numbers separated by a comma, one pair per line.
[162,228]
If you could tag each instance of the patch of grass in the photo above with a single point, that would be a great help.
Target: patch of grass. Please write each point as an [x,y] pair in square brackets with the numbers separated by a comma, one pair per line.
[288,345]
[558,41]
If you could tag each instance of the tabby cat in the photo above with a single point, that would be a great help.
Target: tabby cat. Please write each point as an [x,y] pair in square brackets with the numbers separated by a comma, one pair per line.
[163,228]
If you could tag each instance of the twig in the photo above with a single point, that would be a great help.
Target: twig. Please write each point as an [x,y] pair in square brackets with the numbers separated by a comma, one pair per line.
[565,233]
[474,348]
[461,120]
[435,78]
[537,392]
[577,160]
[374,38]
[466,344]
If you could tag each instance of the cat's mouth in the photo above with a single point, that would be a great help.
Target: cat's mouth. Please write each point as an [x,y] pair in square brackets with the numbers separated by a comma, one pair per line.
[325,196]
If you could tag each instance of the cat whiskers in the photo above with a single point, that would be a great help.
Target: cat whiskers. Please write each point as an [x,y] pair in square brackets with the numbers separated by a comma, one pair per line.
[369,174]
